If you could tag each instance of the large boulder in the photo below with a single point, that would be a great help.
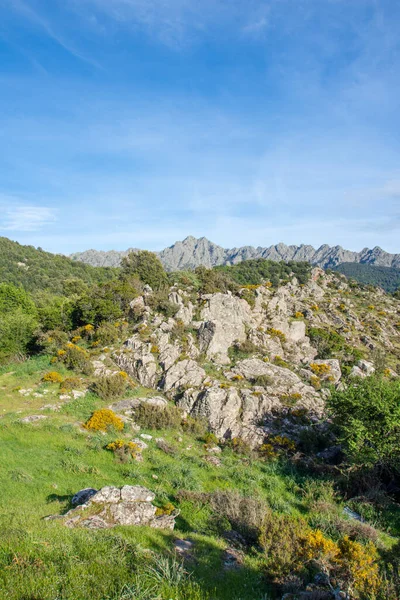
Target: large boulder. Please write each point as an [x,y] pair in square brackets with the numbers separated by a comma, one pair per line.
[224,322]
[111,506]
[186,373]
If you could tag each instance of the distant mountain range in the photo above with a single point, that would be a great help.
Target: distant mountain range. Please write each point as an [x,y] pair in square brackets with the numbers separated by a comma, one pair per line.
[193,252]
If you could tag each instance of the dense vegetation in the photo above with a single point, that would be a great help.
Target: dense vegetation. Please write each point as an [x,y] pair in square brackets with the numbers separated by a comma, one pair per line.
[387,278]
[280,506]
[36,270]
[257,271]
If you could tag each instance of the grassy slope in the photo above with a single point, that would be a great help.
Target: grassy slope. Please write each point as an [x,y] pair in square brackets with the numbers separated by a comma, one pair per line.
[42,465]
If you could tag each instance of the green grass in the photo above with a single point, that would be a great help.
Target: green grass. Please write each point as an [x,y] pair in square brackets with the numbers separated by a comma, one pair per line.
[43,464]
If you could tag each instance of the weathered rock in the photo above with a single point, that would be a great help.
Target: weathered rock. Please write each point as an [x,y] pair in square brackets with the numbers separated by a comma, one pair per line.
[106,495]
[186,373]
[225,318]
[129,505]
[366,367]
[140,444]
[139,361]
[125,406]
[32,419]
[357,372]
[334,374]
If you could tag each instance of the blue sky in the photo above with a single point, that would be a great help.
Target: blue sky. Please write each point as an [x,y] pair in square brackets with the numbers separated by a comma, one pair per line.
[139,122]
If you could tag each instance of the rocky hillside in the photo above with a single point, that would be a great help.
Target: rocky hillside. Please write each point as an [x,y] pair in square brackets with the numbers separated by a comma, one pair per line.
[239,360]
[204,440]
[192,252]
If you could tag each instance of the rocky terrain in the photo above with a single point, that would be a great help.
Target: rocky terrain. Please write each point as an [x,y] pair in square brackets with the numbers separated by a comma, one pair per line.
[192,252]
[242,360]
[186,446]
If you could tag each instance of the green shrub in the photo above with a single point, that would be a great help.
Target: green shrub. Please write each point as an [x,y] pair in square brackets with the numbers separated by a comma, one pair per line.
[158,301]
[157,417]
[107,334]
[76,358]
[245,514]
[17,333]
[328,343]
[147,267]
[110,387]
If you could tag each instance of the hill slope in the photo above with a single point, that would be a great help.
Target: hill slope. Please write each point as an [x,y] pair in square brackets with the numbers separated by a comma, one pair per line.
[388,278]
[35,270]
[193,252]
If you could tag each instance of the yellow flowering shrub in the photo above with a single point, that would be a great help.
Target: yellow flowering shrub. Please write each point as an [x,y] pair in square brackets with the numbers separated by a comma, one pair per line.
[155,349]
[320,369]
[52,377]
[104,419]
[76,358]
[298,315]
[167,509]
[315,382]
[124,450]
[276,333]
[359,567]
[354,566]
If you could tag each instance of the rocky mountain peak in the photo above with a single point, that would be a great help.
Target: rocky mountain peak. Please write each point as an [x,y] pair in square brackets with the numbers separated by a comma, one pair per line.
[193,252]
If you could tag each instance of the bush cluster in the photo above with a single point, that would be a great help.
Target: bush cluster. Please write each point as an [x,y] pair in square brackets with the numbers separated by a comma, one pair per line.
[158,417]
[110,387]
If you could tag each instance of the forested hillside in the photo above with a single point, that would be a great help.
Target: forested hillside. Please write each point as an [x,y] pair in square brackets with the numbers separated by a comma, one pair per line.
[36,270]
[388,278]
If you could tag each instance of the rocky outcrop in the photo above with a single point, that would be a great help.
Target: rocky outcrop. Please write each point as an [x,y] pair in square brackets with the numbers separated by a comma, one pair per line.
[186,373]
[224,322]
[238,412]
[111,506]
[138,361]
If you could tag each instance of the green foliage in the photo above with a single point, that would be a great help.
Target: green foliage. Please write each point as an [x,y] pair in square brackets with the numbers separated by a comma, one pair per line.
[111,387]
[107,302]
[368,417]
[158,301]
[147,267]
[327,342]
[34,269]
[157,417]
[107,334]
[387,278]
[76,358]
[215,280]
[259,270]
[54,312]
[13,298]
[17,330]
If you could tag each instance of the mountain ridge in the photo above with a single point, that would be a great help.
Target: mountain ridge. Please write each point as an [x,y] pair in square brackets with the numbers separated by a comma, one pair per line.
[193,252]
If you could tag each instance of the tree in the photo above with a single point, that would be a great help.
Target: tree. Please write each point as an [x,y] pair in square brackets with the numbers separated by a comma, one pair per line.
[16,333]
[13,298]
[367,415]
[147,267]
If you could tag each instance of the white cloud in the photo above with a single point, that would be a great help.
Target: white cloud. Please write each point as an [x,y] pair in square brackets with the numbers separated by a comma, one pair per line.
[27,218]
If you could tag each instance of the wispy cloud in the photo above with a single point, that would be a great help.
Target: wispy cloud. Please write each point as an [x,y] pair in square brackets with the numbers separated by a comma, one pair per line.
[27,218]
[27,12]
